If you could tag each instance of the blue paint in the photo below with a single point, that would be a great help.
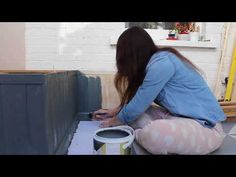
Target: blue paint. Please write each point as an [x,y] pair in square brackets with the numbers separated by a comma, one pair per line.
[37,112]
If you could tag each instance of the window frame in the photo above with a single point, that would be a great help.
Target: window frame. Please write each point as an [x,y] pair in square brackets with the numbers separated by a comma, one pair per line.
[162,34]
[159,37]
[157,34]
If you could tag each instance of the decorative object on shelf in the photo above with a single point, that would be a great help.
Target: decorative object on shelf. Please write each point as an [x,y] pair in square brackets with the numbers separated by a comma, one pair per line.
[182,30]
[194,31]
[172,35]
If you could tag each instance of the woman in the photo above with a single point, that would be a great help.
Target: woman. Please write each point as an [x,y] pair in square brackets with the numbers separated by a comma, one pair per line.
[187,120]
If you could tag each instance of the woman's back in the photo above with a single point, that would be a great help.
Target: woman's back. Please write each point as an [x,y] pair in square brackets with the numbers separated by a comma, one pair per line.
[186,93]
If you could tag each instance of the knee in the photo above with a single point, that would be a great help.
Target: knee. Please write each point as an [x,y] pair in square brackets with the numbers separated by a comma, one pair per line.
[150,137]
[142,121]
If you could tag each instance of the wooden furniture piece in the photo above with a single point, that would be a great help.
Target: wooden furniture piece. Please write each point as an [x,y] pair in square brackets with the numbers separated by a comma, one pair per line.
[38,111]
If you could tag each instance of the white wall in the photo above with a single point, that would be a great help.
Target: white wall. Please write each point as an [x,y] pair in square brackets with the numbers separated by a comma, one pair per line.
[86,46]
[83,46]
[12,45]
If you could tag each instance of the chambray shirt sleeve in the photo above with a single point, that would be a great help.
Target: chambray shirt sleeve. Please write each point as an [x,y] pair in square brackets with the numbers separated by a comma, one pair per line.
[158,73]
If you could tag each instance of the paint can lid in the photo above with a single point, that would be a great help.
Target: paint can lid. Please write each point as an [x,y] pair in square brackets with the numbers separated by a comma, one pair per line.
[114,133]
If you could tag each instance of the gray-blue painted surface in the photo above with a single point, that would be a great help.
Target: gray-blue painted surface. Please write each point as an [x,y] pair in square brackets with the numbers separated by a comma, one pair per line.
[37,112]
[89,95]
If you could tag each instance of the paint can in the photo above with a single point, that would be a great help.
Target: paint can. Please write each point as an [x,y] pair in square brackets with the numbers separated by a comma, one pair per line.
[113,140]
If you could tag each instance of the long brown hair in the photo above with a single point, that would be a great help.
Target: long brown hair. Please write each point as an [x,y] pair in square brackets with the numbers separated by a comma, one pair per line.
[133,52]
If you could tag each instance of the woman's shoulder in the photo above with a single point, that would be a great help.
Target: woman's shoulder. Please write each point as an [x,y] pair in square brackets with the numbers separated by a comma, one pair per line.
[160,54]
[160,59]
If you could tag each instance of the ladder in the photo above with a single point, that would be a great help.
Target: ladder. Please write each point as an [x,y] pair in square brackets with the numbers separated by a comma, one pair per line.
[229,88]
[229,106]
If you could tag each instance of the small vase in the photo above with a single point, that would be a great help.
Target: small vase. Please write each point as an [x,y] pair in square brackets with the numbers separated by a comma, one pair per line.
[194,36]
[183,37]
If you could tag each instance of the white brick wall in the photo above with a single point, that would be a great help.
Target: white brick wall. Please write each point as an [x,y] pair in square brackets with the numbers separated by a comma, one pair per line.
[86,46]
[82,46]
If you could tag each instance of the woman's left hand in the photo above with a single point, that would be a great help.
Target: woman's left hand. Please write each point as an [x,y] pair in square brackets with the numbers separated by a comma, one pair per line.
[111,122]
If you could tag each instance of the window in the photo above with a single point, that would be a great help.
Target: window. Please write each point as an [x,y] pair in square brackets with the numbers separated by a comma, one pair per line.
[159,32]
[152,25]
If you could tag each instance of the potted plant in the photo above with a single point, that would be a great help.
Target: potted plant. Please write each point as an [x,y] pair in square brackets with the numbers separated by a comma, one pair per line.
[194,31]
[182,30]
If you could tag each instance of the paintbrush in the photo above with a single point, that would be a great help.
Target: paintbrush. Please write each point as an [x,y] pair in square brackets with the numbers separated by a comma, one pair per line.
[90,114]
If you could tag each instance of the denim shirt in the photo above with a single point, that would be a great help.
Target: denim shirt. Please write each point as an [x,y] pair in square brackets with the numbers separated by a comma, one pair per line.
[174,85]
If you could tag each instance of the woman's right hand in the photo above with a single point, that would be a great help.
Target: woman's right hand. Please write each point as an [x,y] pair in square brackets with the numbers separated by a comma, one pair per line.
[102,114]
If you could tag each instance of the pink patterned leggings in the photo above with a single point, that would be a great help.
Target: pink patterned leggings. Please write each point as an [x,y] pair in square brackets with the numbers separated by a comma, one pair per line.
[160,133]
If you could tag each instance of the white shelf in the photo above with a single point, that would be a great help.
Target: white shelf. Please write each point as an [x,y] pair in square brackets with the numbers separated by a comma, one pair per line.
[177,43]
